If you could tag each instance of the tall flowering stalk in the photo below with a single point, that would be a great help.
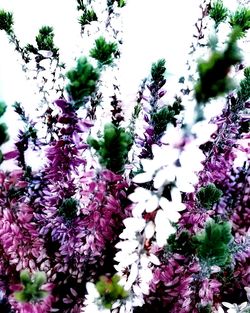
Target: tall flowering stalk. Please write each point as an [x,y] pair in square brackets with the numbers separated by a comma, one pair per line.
[146,213]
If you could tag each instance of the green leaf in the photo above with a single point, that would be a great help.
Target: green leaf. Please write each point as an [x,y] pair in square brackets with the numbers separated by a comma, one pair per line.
[25,277]
[213,74]
[83,80]
[20,296]
[103,51]
[208,195]
[180,243]
[158,71]
[120,3]
[218,12]
[3,133]
[3,108]
[31,287]
[110,291]
[6,21]
[161,119]
[45,40]
[241,19]
[212,244]
[87,17]
[113,147]
[244,89]
[39,279]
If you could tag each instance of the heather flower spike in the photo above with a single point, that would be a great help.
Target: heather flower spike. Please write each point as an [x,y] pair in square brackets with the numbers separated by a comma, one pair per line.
[113,204]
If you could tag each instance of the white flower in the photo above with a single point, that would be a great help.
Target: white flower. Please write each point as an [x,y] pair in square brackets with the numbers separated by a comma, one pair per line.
[172,208]
[220,310]
[234,308]
[92,300]
[163,228]
[163,156]
[133,225]
[145,199]
[247,289]
[149,230]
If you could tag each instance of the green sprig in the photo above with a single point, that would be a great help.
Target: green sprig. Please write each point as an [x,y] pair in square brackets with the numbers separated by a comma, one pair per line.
[158,71]
[244,89]
[103,51]
[213,74]
[113,148]
[120,3]
[241,19]
[218,12]
[208,196]
[31,287]
[110,291]
[212,244]
[82,81]
[87,17]
[45,39]
[6,21]
[3,129]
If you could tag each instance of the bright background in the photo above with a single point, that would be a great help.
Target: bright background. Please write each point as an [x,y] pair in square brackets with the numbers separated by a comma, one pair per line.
[153,29]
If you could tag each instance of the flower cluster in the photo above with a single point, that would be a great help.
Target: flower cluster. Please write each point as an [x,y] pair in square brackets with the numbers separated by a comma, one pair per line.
[153,216]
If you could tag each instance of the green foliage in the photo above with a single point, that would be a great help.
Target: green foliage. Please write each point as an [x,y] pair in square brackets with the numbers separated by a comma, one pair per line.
[2,108]
[80,5]
[241,19]
[181,243]
[30,49]
[161,119]
[212,244]
[208,196]
[45,39]
[244,90]
[3,133]
[83,80]
[68,208]
[3,129]
[120,3]
[113,148]
[87,17]
[6,21]
[158,71]
[110,291]
[31,287]
[213,74]
[165,115]
[218,12]
[103,51]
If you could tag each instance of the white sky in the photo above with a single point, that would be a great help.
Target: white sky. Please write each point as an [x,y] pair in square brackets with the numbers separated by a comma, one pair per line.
[152,29]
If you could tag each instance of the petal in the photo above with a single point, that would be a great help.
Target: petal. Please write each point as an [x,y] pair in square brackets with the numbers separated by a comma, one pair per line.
[139,194]
[173,215]
[160,178]
[163,228]
[228,305]
[152,204]
[176,195]
[149,230]
[143,177]
[134,224]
